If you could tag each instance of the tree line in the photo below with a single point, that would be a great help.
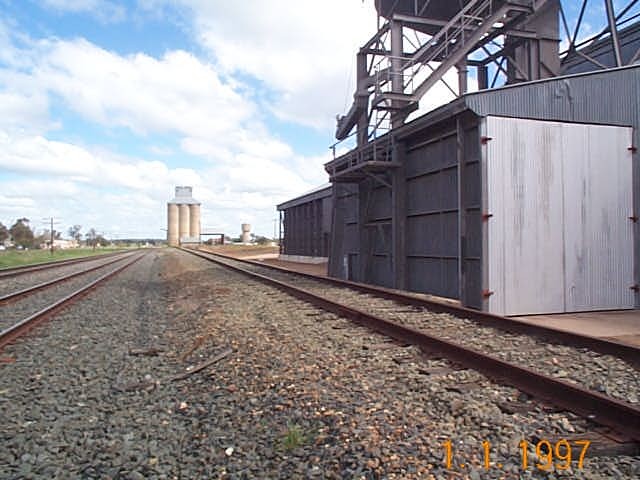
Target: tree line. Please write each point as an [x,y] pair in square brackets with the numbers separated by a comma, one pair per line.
[22,235]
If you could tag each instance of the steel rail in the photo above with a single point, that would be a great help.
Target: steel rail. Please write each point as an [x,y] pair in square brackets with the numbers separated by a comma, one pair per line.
[30,290]
[625,351]
[17,330]
[15,271]
[621,416]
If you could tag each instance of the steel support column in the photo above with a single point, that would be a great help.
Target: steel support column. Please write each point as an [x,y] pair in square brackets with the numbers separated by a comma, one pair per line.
[364,239]
[280,243]
[362,100]
[397,79]
[483,77]
[399,217]
[337,235]
[462,77]
[462,212]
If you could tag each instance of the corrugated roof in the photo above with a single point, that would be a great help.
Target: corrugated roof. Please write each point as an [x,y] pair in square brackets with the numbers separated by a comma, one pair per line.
[605,96]
[319,192]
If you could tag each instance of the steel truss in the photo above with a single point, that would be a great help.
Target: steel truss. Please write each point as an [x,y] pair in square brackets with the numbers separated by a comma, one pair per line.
[507,41]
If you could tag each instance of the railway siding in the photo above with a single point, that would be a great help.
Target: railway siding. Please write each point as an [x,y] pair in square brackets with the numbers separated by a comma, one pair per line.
[602,373]
[302,394]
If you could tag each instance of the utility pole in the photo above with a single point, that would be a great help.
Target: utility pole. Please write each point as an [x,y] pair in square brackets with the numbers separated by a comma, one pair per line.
[50,222]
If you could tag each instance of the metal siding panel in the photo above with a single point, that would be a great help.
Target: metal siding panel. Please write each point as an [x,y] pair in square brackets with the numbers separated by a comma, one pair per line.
[380,204]
[449,151]
[450,277]
[381,240]
[560,238]
[327,207]
[471,251]
[321,192]
[598,232]
[424,235]
[609,97]
[473,283]
[449,239]
[473,184]
[423,194]
[449,189]
[381,273]
[351,243]
[425,275]
[473,246]
[606,97]
[524,187]
[435,276]
[413,163]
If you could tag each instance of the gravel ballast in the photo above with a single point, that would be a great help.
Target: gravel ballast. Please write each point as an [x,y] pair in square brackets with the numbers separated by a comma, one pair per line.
[606,374]
[101,392]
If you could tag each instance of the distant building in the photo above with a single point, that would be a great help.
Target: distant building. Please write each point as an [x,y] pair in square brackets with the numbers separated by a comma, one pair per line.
[183,218]
[62,243]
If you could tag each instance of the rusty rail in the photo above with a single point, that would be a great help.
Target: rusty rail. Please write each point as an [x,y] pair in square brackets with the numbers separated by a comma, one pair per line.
[625,351]
[30,290]
[17,330]
[616,414]
[15,271]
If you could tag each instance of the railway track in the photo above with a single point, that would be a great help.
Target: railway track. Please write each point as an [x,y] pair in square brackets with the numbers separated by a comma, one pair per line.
[25,269]
[24,308]
[527,360]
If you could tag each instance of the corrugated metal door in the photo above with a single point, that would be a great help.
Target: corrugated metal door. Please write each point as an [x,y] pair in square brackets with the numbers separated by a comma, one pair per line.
[559,238]
[598,203]
[524,197]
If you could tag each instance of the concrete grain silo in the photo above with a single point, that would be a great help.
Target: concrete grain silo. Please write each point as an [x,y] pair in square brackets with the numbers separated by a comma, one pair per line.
[194,220]
[245,236]
[184,221]
[183,218]
[172,224]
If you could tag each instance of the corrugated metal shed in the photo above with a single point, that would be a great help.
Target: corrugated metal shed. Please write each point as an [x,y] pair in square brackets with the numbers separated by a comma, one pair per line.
[426,232]
[315,194]
[307,222]
[559,238]
[608,97]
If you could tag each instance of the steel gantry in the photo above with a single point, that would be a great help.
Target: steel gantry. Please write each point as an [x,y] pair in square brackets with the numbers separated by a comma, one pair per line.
[511,41]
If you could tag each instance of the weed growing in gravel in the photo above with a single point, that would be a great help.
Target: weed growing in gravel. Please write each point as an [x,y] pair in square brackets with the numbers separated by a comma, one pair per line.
[294,437]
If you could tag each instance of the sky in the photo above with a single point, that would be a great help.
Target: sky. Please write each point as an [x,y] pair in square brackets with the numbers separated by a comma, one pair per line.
[107,105]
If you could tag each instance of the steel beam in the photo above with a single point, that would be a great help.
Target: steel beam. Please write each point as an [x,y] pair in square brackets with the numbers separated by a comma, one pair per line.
[614,32]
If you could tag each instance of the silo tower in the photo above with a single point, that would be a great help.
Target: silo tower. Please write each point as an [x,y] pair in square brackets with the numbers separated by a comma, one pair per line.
[183,218]
[245,236]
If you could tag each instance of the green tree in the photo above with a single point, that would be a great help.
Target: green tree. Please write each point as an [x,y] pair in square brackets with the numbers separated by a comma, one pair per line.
[100,240]
[74,232]
[91,237]
[4,233]
[21,233]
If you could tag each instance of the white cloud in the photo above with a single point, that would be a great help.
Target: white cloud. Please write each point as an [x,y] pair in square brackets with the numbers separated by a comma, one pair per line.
[247,169]
[97,188]
[203,107]
[176,93]
[304,51]
[24,112]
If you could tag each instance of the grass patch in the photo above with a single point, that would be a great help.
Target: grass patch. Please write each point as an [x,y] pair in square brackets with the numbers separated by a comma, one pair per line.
[16,258]
[294,437]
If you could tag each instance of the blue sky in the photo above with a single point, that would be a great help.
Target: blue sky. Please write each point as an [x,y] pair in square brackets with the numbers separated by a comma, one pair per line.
[107,105]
